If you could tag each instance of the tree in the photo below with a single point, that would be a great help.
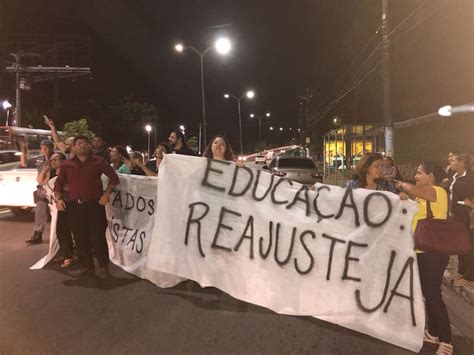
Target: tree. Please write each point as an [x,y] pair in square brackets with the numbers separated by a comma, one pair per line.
[78,127]
[192,143]
[126,120]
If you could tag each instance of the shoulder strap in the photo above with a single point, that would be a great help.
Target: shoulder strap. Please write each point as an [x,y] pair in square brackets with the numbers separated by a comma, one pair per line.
[429,213]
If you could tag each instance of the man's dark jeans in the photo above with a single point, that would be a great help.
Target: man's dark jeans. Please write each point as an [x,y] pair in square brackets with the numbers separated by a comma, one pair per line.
[88,224]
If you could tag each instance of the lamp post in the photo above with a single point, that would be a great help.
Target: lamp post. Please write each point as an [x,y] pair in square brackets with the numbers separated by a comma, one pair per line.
[250,95]
[148,130]
[6,106]
[252,115]
[222,46]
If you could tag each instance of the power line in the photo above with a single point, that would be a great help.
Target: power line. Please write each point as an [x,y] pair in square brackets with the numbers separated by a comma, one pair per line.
[360,73]
[315,119]
[426,17]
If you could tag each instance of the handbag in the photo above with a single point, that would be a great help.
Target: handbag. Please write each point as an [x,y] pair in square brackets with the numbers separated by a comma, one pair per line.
[441,235]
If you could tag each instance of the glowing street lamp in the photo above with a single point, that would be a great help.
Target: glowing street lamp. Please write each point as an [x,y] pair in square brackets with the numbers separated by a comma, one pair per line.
[252,115]
[148,130]
[250,95]
[222,46]
[6,106]
[449,110]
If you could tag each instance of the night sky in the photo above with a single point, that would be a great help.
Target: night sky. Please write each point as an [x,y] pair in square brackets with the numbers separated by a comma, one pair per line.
[279,49]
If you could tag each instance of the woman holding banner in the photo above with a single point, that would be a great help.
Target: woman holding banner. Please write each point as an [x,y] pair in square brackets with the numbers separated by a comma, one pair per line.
[219,149]
[368,174]
[431,264]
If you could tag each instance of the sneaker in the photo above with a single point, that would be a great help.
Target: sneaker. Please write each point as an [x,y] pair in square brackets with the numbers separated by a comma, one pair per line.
[37,238]
[445,349]
[427,337]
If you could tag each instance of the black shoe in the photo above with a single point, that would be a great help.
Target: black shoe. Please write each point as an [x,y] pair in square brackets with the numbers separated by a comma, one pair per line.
[80,271]
[37,238]
[103,273]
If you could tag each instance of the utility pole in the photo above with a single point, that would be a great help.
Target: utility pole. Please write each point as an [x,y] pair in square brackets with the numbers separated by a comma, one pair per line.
[56,103]
[38,73]
[307,98]
[18,98]
[387,110]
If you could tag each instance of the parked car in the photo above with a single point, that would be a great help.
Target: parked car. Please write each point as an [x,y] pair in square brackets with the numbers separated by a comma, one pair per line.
[17,186]
[298,169]
[9,159]
[260,159]
[16,189]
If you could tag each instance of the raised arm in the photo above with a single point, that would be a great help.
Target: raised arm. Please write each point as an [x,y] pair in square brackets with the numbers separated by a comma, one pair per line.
[23,152]
[54,134]
[145,169]
[427,193]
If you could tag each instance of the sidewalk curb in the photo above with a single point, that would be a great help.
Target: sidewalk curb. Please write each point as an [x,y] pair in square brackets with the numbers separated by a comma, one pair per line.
[460,304]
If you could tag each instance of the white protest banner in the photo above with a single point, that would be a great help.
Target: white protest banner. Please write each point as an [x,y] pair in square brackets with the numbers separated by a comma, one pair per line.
[53,240]
[340,255]
[131,219]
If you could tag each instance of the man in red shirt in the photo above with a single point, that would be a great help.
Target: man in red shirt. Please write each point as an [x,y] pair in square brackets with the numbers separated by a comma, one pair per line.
[86,204]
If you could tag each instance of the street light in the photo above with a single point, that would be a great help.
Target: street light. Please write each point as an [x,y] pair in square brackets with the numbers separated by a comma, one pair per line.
[148,130]
[182,128]
[6,106]
[252,115]
[249,94]
[448,110]
[222,46]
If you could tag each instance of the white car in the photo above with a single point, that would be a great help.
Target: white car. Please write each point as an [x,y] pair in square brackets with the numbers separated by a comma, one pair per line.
[260,159]
[9,159]
[298,169]
[16,189]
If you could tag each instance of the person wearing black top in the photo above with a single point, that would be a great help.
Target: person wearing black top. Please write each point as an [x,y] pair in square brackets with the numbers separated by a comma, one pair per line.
[461,192]
[135,163]
[178,143]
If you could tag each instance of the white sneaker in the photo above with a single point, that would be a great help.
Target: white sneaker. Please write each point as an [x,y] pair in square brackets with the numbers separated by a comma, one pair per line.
[445,349]
[427,337]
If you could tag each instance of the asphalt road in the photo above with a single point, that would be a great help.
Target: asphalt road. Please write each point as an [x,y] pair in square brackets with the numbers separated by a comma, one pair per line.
[46,311]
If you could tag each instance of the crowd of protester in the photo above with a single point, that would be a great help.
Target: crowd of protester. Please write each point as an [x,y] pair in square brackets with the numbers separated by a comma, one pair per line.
[81,222]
